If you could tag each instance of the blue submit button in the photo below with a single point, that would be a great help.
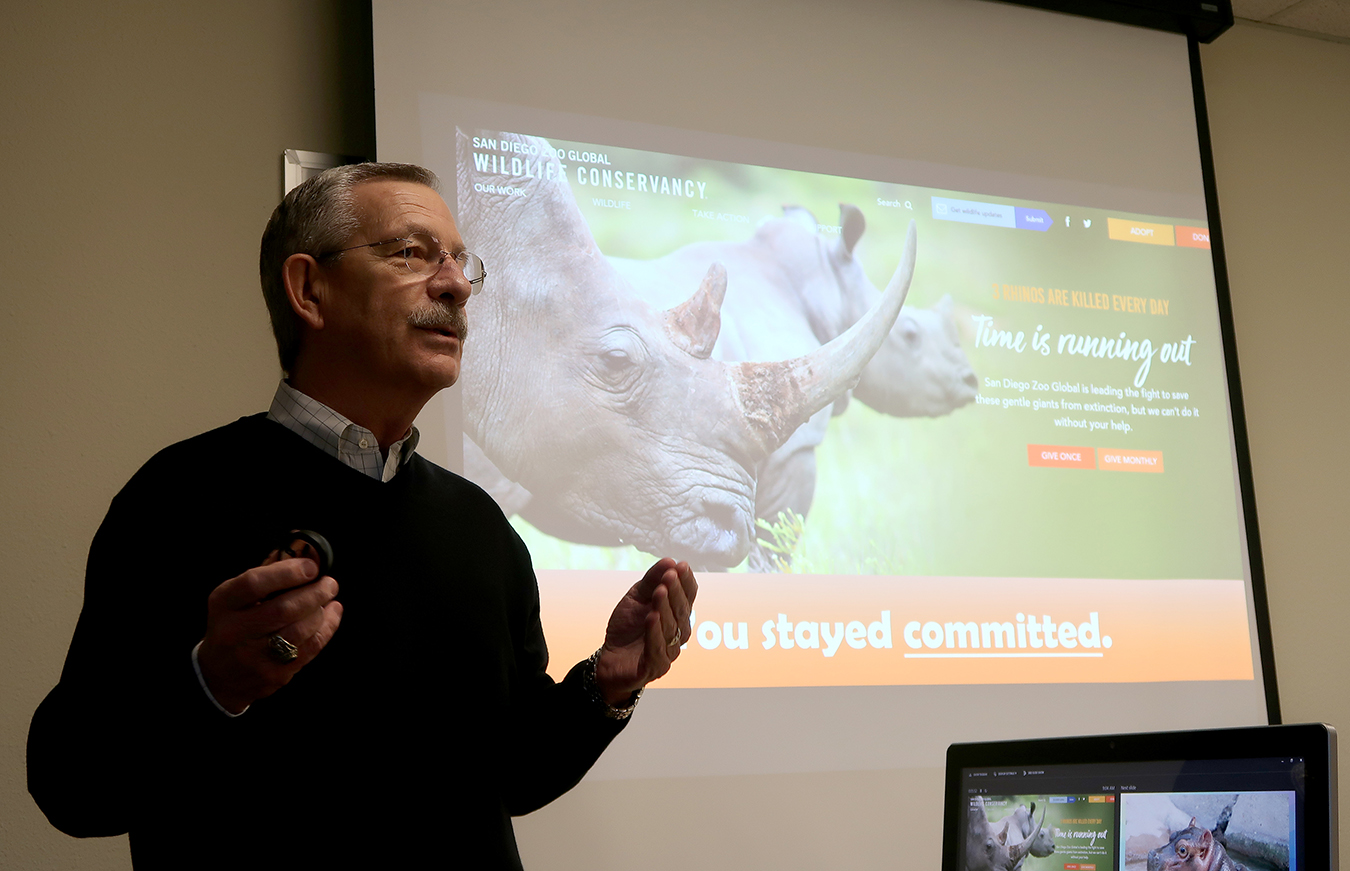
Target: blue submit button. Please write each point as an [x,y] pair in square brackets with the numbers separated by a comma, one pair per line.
[990,214]
[1033,219]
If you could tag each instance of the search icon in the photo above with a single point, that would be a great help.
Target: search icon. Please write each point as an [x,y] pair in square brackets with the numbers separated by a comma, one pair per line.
[909,205]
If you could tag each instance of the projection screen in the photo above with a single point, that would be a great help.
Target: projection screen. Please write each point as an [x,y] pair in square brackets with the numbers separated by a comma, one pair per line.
[898,320]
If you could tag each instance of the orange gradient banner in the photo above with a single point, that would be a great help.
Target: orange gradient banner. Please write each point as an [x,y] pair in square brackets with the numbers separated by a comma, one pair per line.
[826,630]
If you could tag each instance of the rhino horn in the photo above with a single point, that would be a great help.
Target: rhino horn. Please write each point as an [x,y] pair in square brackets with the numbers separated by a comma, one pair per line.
[853,224]
[694,324]
[802,216]
[777,398]
[1017,852]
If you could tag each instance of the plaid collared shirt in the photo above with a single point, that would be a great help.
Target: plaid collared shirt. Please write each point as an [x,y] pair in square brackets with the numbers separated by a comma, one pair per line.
[337,436]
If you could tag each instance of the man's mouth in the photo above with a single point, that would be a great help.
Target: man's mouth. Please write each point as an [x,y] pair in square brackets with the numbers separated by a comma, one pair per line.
[446,320]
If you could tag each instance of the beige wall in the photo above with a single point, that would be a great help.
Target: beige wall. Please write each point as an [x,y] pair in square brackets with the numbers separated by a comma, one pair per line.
[1280,117]
[141,158]
[141,147]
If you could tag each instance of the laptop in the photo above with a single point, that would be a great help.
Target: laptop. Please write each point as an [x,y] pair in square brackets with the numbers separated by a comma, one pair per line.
[1258,798]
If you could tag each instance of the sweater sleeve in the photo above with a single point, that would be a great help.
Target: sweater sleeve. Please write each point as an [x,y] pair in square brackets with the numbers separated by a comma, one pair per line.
[557,731]
[128,703]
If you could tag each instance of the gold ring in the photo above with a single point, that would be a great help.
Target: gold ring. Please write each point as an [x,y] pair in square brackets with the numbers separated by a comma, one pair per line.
[282,650]
[674,642]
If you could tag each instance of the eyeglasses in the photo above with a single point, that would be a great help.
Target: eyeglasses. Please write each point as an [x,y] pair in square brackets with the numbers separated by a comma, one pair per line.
[423,255]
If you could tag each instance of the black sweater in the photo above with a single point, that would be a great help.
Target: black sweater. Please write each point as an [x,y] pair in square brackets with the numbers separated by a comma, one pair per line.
[425,723]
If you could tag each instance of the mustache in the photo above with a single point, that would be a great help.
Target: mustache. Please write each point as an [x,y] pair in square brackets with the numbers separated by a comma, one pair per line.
[441,316]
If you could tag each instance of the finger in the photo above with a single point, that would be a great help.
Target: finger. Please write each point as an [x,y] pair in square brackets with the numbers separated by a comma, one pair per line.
[314,644]
[657,654]
[245,590]
[670,627]
[679,603]
[291,606]
[644,588]
[687,582]
[304,628]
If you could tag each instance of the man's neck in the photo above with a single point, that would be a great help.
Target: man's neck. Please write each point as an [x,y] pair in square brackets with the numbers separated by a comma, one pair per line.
[389,417]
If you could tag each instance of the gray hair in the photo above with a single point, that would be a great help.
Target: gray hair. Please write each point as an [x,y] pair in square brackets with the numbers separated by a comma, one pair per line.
[317,218]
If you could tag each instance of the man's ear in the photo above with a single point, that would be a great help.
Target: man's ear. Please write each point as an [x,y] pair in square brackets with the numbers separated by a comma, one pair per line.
[305,288]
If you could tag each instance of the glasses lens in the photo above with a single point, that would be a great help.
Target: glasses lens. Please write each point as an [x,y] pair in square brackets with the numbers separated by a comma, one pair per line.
[423,253]
[473,269]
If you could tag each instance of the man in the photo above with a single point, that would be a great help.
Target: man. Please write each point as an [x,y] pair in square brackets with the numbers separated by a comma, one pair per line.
[230,707]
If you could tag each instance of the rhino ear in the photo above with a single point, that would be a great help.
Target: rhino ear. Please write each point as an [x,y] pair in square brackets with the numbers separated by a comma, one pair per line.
[694,324]
[852,221]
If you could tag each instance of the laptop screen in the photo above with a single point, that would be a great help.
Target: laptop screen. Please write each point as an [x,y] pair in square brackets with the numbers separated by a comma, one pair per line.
[1254,799]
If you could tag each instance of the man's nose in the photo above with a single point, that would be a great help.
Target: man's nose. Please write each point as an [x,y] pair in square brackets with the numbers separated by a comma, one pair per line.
[449,283]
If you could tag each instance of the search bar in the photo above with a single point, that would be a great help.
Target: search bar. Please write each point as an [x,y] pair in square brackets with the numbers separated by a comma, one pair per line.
[991,214]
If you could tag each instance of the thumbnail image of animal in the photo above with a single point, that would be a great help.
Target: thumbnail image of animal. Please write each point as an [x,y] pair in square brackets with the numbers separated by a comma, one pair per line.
[1023,820]
[999,846]
[1193,848]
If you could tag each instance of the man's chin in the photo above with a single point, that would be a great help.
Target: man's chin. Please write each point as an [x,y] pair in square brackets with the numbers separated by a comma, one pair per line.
[441,374]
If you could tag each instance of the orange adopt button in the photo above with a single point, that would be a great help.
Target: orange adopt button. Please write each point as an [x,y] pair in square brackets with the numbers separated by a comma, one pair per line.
[1061,457]
[1139,231]
[1117,460]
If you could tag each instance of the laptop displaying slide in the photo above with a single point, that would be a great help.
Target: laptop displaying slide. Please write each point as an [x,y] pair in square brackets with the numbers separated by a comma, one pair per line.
[1258,799]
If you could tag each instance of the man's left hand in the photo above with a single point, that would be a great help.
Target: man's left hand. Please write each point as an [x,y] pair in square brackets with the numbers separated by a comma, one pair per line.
[646,630]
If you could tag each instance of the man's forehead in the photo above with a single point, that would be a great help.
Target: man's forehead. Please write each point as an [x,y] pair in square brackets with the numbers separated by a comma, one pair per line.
[390,206]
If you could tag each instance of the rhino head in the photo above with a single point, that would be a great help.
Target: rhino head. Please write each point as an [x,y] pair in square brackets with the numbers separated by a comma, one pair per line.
[996,846]
[920,370]
[612,414]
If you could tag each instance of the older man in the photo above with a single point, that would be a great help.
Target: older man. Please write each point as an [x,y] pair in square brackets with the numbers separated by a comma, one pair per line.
[229,704]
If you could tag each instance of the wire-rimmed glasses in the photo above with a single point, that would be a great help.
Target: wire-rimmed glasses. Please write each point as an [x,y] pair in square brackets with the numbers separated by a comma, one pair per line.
[423,254]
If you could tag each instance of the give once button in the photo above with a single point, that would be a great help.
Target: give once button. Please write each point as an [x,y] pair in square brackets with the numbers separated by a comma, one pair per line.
[1061,457]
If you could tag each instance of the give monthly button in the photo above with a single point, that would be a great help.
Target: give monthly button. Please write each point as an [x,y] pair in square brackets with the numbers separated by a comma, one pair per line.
[1117,460]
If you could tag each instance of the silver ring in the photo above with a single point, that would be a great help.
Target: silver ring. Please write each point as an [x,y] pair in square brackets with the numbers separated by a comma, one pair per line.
[282,650]
[674,642]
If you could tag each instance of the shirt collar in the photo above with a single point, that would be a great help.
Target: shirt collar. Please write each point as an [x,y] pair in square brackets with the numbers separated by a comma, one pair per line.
[337,436]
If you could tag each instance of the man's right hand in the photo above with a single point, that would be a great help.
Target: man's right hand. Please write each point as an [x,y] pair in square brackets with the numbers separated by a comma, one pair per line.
[240,618]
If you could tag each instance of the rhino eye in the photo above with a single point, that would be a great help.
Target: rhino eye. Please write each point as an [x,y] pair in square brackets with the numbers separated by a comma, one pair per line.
[616,364]
[617,361]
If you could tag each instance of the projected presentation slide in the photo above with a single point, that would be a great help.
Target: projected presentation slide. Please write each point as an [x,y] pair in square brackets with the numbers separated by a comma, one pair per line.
[1252,830]
[1041,832]
[1023,474]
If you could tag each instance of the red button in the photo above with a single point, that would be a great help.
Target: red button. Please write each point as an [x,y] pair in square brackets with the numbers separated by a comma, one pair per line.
[1193,237]
[1061,457]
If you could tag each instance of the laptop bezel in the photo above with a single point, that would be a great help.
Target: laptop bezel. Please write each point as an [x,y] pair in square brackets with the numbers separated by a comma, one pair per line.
[1314,742]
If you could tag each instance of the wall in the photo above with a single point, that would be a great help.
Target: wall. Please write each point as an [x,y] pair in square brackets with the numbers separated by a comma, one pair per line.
[141,148]
[1281,130]
[141,157]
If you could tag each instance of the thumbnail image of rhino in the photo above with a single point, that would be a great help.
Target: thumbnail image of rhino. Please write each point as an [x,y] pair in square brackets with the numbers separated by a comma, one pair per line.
[611,413]
[1001,846]
[1041,838]
[790,290]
